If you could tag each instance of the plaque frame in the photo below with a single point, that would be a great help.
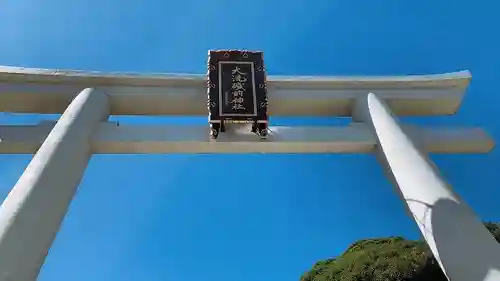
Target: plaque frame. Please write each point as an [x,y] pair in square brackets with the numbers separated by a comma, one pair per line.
[221,111]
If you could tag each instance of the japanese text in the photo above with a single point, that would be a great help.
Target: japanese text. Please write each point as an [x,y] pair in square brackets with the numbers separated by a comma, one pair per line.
[238,89]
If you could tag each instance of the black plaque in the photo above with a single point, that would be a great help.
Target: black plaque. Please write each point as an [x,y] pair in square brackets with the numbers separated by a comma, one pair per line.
[237,86]
[237,89]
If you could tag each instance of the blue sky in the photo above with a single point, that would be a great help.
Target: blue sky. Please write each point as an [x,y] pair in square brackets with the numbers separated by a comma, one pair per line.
[160,217]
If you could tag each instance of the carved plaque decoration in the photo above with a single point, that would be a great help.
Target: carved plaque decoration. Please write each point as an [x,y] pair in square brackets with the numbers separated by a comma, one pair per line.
[237,90]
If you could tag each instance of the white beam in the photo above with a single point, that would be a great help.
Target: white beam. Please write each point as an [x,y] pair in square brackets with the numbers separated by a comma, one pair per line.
[50,91]
[126,139]
[458,239]
[31,214]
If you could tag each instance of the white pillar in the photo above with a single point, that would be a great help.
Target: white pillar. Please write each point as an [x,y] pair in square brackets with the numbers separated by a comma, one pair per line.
[460,242]
[31,214]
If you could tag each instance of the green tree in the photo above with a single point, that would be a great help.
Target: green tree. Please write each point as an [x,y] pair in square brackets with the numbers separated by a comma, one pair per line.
[384,259]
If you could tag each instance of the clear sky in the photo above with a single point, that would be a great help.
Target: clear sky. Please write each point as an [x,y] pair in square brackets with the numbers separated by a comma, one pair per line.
[163,217]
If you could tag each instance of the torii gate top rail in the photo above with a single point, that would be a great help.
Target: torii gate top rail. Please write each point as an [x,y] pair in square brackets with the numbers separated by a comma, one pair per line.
[27,90]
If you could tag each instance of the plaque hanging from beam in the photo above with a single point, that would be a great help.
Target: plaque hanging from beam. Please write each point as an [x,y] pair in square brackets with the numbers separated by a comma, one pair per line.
[237,90]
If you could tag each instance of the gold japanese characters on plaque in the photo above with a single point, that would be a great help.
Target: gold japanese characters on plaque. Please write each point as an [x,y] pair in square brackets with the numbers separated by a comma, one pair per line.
[237,90]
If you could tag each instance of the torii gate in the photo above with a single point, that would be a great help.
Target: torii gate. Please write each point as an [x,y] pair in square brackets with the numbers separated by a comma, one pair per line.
[31,214]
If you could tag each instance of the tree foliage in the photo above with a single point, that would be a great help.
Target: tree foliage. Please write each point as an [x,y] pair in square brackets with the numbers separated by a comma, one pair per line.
[384,259]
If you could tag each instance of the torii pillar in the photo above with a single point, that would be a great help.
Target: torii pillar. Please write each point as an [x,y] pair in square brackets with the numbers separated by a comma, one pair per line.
[460,242]
[32,213]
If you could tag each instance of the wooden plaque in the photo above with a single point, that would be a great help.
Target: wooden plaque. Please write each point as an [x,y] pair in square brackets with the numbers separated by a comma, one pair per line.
[237,90]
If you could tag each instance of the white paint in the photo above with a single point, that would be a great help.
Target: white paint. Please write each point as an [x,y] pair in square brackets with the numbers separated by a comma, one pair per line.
[460,242]
[50,91]
[357,138]
[31,214]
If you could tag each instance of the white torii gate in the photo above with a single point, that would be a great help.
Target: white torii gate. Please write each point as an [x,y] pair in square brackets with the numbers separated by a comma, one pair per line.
[31,214]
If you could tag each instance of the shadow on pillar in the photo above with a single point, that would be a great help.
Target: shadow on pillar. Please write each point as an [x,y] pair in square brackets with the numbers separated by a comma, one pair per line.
[475,259]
